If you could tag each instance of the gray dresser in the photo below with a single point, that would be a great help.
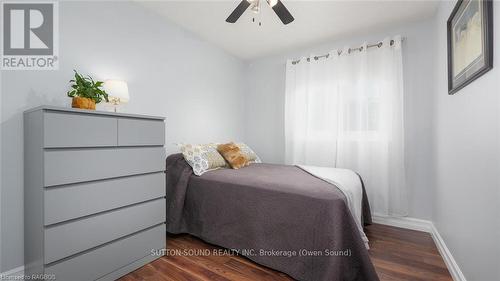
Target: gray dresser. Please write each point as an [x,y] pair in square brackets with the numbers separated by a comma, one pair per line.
[94,192]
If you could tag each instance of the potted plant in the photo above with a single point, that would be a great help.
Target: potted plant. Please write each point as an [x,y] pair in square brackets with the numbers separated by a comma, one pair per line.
[86,92]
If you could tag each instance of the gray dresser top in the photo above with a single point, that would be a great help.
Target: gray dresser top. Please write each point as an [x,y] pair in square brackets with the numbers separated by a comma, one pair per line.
[85,111]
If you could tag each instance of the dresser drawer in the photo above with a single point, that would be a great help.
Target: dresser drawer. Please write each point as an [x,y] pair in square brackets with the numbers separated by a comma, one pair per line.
[101,261]
[79,165]
[140,132]
[79,130]
[73,237]
[78,200]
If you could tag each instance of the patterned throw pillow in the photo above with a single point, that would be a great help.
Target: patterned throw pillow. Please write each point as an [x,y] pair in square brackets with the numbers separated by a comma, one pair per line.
[249,153]
[202,157]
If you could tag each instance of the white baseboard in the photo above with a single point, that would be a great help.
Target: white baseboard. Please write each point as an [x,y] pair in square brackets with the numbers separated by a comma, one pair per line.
[18,271]
[425,226]
[450,262]
[404,222]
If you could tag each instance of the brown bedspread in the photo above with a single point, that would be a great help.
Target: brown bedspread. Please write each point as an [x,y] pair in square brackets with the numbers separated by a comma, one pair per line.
[281,216]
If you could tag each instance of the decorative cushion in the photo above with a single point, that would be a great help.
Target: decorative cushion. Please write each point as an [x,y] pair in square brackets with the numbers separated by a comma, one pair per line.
[202,157]
[249,153]
[233,155]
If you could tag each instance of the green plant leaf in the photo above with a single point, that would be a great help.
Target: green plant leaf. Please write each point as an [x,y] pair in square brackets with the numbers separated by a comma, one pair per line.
[86,87]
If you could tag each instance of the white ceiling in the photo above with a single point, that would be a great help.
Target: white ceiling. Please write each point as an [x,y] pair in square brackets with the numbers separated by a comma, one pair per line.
[315,22]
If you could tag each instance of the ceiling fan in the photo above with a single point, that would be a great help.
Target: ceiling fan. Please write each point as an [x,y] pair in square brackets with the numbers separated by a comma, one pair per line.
[254,5]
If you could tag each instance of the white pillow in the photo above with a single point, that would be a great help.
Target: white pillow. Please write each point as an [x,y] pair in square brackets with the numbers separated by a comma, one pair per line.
[249,153]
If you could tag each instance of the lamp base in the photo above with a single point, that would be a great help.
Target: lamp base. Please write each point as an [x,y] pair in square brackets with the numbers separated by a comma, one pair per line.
[115,102]
[111,107]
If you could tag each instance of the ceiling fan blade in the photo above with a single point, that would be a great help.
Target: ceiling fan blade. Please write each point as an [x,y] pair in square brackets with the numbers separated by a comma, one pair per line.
[283,13]
[236,14]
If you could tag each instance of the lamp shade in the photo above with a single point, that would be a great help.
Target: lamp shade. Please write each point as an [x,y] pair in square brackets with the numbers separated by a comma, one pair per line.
[117,90]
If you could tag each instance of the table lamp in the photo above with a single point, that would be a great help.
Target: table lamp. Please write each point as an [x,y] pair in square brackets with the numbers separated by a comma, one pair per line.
[117,92]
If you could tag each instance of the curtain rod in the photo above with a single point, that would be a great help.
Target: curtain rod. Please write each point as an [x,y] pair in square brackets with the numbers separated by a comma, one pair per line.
[379,44]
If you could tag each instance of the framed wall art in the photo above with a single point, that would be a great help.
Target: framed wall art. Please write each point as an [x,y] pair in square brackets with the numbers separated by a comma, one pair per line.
[470,42]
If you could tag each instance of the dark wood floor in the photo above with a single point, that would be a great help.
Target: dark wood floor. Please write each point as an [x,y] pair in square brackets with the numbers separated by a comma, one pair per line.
[398,254]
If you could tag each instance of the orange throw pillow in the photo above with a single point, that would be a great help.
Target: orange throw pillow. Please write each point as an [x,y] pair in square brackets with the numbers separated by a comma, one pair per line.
[233,155]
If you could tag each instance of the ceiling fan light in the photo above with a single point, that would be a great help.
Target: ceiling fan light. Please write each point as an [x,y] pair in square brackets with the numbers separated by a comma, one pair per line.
[272,2]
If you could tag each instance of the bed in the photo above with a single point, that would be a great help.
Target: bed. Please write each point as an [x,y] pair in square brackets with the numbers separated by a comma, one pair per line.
[276,215]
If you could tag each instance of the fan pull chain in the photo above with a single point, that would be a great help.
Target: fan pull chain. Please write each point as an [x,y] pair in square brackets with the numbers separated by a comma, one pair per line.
[260,23]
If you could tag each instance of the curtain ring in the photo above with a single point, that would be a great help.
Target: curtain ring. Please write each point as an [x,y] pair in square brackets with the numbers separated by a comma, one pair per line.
[316,58]
[379,44]
[361,48]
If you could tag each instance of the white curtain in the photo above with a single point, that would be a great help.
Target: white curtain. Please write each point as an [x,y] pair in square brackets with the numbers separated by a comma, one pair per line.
[346,111]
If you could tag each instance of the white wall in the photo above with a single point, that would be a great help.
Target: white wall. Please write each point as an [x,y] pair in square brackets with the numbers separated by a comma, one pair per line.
[467,156]
[170,73]
[266,93]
